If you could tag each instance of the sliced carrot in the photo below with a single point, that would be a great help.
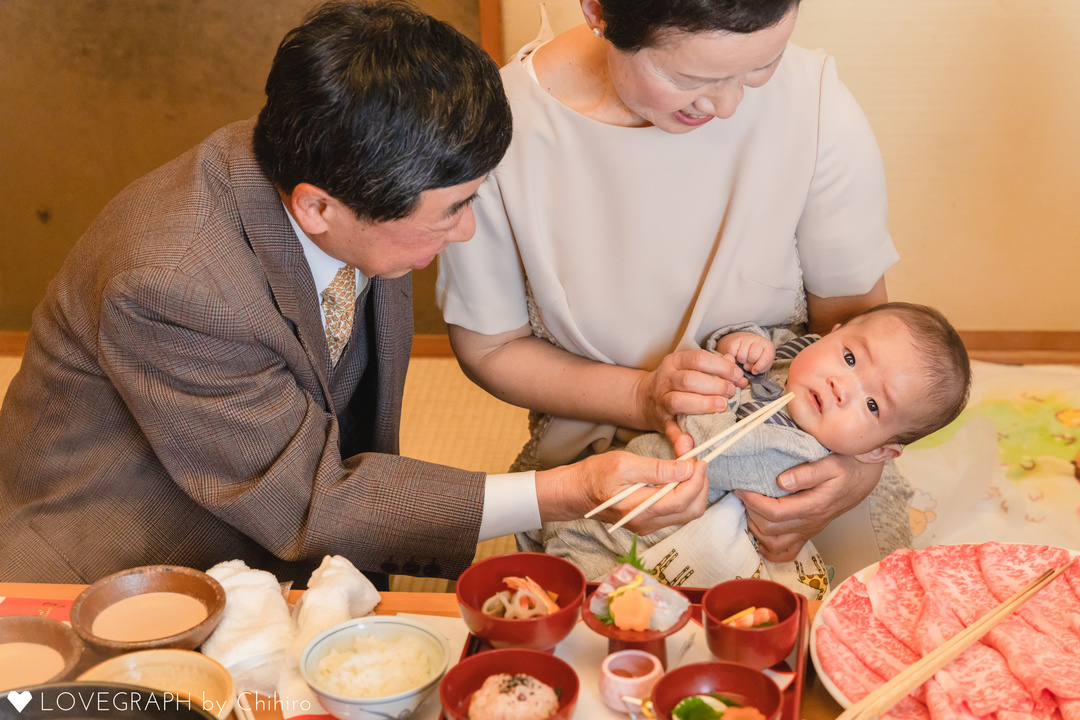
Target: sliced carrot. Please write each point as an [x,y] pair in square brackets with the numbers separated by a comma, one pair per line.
[738,616]
[527,583]
[743,713]
[631,610]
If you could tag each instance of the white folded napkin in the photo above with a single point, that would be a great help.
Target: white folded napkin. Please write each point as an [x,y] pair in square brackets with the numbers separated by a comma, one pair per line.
[260,641]
[336,592]
[255,630]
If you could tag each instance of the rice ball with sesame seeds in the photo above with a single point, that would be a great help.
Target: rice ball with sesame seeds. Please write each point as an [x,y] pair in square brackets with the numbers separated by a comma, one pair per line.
[513,697]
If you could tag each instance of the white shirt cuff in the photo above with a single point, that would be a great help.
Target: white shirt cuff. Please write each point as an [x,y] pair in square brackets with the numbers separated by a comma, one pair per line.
[510,505]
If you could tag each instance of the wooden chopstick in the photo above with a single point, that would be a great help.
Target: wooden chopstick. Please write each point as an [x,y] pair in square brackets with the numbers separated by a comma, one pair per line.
[686,456]
[914,675]
[739,429]
[750,423]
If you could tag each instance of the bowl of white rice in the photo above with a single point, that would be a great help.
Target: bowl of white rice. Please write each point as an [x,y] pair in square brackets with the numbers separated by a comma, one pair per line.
[378,666]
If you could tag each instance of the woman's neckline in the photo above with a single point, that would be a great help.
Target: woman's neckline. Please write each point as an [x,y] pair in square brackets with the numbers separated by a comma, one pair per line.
[592,95]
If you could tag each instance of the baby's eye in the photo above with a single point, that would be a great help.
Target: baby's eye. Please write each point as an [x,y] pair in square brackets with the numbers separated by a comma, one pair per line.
[872,404]
[849,358]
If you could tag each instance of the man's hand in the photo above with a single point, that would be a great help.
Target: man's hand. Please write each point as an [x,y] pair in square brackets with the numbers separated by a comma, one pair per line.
[568,492]
[827,488]
[691,382]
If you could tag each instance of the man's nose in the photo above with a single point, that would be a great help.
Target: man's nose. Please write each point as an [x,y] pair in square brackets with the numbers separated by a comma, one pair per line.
[465,229]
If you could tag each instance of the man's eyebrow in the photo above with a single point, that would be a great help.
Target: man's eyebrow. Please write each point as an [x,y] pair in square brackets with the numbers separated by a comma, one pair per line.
[456,207]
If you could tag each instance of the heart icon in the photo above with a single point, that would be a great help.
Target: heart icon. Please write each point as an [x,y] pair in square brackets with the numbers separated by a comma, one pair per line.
[19,699]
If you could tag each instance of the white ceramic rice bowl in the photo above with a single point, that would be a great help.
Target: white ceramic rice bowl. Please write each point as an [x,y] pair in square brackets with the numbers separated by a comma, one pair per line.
[340,637]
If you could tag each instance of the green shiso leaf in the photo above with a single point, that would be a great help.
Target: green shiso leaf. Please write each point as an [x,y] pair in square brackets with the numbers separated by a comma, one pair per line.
[725,699]
[694,708]
[632,557]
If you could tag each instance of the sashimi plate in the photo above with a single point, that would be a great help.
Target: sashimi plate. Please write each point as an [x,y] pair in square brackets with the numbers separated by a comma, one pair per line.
[863,575]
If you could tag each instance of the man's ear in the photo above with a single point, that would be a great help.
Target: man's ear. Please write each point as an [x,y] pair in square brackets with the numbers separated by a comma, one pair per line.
[881,454]
[311,207]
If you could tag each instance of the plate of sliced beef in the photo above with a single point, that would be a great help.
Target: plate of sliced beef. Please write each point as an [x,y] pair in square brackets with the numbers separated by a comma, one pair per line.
[888,615]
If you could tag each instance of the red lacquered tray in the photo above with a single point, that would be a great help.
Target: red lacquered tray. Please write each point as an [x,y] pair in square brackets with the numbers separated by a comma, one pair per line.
[793,693]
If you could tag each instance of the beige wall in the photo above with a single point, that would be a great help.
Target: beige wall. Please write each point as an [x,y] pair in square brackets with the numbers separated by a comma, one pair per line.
[975,105]
[96,93]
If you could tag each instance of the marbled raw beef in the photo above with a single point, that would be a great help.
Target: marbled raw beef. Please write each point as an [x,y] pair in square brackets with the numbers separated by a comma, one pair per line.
[952,573]
[855,680]
[897,596]
[851,618]
[1054,610]
[898,599]
[1072,575]
[942,706]
[979,675]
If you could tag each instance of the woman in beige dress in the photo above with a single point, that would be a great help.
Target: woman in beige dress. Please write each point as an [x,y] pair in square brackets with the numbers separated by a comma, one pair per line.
[676,167]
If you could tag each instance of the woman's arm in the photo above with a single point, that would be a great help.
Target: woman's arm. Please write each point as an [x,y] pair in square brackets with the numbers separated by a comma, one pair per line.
[529,372]
[825,313]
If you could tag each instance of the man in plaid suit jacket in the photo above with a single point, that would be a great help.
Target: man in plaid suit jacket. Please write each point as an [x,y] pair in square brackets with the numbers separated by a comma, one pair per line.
[177,402]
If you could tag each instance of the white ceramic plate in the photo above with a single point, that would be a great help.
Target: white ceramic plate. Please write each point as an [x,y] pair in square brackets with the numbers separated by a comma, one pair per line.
[863,575]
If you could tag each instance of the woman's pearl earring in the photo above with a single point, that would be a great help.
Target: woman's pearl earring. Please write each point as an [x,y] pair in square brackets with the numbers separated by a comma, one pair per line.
[596,31]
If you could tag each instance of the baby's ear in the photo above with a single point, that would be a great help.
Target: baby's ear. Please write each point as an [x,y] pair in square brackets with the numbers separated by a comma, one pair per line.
[881,454]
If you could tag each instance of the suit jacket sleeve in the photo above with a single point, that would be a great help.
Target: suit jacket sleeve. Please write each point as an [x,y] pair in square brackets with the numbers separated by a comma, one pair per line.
[238,434]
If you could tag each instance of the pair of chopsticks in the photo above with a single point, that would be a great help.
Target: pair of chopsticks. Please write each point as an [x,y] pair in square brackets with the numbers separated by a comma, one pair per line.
[736,432]
[914,675]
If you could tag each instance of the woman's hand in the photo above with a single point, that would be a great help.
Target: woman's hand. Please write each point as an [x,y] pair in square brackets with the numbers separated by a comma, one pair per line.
[690,382]
[570,491]
[828,488]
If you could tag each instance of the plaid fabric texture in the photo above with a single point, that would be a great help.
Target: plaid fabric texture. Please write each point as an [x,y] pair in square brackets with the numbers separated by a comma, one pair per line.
[338,302]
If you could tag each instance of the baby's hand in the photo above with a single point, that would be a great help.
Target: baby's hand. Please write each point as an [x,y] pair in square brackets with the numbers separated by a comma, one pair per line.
[753,353]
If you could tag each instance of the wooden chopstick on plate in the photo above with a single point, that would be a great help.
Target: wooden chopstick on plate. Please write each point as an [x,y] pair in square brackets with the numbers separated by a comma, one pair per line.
[736,432]
[914,675]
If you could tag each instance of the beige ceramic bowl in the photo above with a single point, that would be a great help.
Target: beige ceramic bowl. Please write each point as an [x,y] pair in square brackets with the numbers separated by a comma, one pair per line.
[148,579]
[185,673]
[40,631]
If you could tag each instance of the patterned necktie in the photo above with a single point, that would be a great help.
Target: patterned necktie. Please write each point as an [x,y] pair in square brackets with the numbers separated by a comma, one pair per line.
[338,303]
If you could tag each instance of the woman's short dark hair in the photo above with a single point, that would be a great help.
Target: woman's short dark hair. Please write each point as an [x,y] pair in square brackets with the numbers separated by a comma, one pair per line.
[631,25]
[376,103]
[945,364]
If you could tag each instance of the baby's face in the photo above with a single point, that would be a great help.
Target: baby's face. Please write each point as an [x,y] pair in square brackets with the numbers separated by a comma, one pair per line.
[859,386]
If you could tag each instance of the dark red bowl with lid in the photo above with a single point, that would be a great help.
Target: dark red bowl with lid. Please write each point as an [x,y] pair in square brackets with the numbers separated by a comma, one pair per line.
[744,685]
[465,678]
[758,648]
[484,579]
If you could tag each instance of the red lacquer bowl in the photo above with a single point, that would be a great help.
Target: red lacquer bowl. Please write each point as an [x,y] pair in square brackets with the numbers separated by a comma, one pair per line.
[758,648]
[651,641]
[482,580]
[465,678]
[748,687]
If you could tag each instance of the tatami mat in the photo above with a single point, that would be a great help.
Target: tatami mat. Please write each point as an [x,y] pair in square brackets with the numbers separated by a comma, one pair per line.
[445,419]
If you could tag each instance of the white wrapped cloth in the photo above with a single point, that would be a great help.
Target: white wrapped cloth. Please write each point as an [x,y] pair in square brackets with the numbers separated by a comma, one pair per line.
[336,592]
[260,642]
[255,628]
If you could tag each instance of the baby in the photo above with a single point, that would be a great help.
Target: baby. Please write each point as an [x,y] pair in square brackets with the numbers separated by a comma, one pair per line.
[887,377]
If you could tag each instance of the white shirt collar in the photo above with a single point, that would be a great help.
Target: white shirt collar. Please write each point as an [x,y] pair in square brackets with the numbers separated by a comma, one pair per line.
[323,267]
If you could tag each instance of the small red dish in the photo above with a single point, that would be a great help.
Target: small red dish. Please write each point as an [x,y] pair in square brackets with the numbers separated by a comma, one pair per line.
[651,641]
[748,687]
[465,678]
[482,580]
[758,648]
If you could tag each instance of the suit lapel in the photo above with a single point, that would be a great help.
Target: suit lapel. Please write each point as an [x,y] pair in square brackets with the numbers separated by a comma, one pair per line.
[392,339]
[274,243]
